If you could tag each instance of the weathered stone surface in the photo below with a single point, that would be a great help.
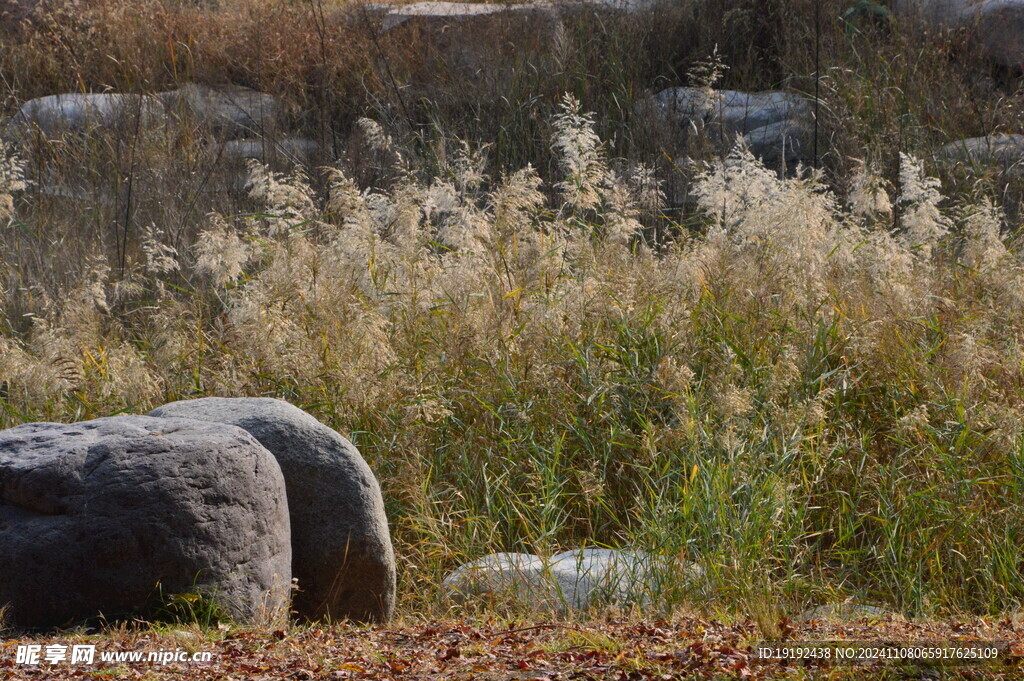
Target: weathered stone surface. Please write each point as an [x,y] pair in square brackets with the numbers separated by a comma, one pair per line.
[95,515]
[996,25]
[465,40]
[572,580]
[76,112]
[777,126]
[584,577]
[230,111]
[291,149]
[497,574]
[489,42]
[782,142]
[733,111]
[1005,152]
[342,554]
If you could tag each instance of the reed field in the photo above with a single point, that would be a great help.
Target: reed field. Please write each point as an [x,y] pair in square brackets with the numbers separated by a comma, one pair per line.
[810,383]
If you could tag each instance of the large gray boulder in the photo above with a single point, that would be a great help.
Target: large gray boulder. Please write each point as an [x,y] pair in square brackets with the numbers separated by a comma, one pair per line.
[78,112]
[572,580]
[490,41]
[341,549]
[734,111]
[777,126]
[293,150]
[95,516]
[467,40]
[997,26]
[228,111]
[1004,152]
[782,142]
[585,576]
[499,575]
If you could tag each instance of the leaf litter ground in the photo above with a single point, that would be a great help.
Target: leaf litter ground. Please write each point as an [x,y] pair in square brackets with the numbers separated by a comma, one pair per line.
[492,649]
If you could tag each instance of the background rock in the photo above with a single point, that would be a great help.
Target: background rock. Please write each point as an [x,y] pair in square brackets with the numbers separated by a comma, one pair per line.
[496,574]
[584,577]
[444,11]
[229,111]
[572,580]
[999,151]
[447,11]
[777,126]
[77,112]
[732,110]
[94,515]
[294,150]
[782,142]
[997,26]
[341,549]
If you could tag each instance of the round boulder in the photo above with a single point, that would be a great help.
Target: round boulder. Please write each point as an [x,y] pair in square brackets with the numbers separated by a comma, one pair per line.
[106,516]
[341,548]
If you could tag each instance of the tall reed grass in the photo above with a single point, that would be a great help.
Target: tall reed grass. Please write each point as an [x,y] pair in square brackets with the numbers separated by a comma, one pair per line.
[813,395]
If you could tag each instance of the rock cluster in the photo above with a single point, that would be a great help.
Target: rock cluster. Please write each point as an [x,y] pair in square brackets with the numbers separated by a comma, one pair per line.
[241,122]
[341,549]
[227,125]
[227,497]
